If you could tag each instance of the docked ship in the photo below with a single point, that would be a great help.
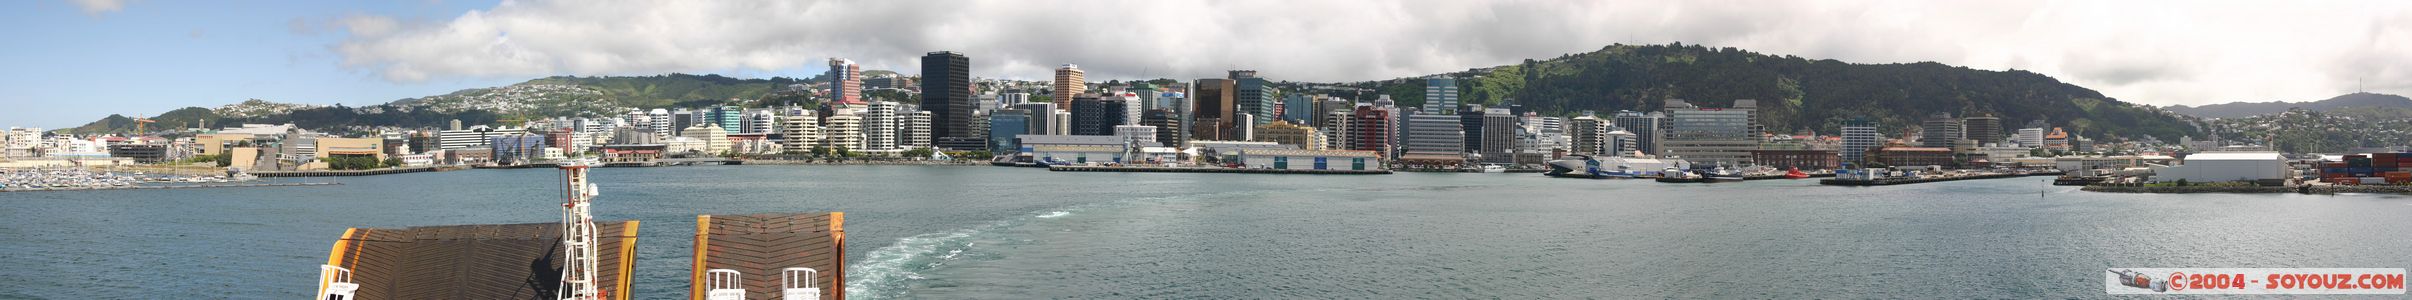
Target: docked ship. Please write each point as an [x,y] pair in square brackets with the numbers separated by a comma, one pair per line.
[1586,166]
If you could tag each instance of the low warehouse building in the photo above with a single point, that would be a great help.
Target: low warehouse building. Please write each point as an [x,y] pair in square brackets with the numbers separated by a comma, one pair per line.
[2225,166]
[1287,159]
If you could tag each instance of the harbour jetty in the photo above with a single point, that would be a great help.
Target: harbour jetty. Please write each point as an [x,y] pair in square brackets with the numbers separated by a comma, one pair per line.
[1210,170]
[2324,189]
[1926,179]
[863,162]
[334,173]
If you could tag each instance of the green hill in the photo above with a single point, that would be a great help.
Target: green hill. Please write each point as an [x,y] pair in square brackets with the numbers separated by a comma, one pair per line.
[666,90]
[1795,93]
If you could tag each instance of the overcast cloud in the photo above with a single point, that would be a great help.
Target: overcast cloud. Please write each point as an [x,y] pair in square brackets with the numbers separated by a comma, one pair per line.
[2174,52]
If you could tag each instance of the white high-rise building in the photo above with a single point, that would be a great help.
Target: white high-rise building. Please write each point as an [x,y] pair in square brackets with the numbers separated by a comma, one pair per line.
[1130,106]
[881,122]
[2031,137]
[843,131]
[799,131]
[761,121]
[661,122]
[916,130]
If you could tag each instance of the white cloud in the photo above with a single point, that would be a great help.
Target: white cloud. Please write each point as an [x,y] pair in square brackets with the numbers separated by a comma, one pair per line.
[97,7]
[2190,52]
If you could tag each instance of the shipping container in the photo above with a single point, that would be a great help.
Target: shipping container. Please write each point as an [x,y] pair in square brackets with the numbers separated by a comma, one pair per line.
[2373,180]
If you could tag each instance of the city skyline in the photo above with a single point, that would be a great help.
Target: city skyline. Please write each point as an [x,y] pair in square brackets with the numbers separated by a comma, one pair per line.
[2194,53]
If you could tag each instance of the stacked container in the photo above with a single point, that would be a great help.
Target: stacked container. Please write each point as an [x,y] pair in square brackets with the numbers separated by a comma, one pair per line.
[2374,168]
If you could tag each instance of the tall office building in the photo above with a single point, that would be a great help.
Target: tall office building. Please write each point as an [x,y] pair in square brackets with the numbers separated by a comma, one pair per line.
[1471,119]
[1336,130]
[1941,131]
[1254,96]
[1986,130]
[761,121]
[1499,135]
[1298,108]
[1712,136]
[946,91]
[1440,96]
[1433,138]
[1069,82]
[1004,126]
[662,124]
[1589,135]
[845,81]
[1130,106]
[1372,129]
[730,118]
[1042,118]
[1859,135]
[1167,124]
[1645,128]
[916,133]
[1092,115]
[1212,110]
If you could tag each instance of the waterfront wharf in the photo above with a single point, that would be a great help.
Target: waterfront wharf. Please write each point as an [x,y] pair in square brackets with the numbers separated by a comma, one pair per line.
[1210,170]
[1895,181]
[333,173]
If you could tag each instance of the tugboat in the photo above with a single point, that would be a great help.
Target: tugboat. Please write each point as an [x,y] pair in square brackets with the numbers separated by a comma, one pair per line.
[1795,173]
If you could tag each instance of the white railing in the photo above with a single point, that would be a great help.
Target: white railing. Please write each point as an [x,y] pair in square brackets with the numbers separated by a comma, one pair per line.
[335,283]
[790,288]
[724,284]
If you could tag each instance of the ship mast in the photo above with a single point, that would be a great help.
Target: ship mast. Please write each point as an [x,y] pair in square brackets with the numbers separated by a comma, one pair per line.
[578,237]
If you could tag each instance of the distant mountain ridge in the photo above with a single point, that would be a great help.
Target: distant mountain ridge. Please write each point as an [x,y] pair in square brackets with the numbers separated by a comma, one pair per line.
[2248,109]
[1794,93]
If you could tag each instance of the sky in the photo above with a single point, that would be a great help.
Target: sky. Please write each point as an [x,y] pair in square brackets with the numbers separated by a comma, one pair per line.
[73,61]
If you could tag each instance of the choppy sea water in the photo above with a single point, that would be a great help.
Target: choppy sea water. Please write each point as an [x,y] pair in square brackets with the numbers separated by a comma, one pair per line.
[986,232]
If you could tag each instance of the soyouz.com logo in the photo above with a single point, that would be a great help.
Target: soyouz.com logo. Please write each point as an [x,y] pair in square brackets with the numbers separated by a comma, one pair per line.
[2254,281]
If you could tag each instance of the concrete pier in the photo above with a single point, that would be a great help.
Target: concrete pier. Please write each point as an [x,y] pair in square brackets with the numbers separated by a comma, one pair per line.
[1211,170]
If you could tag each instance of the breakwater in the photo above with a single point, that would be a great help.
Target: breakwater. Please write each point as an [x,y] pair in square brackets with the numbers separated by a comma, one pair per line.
[866,162]
[2306,189]
[1894,181]
[1211,170]
[332,173]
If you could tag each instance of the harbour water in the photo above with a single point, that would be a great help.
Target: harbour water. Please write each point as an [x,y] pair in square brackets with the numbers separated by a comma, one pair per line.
[988,232]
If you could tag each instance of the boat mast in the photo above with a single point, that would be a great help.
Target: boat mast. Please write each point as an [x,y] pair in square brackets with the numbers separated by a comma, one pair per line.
[578,236]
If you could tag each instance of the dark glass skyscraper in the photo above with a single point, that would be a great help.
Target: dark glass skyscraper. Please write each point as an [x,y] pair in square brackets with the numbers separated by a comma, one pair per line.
[1097,116]
[946,91]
